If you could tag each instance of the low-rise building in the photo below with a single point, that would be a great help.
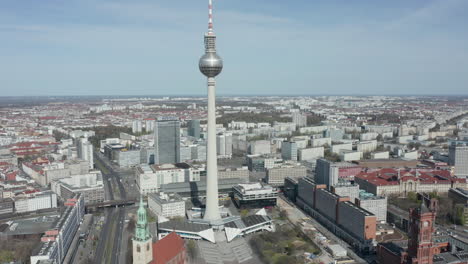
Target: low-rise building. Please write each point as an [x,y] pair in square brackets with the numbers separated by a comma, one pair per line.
[349,155]
[239,173]
[387,163]
[276,176]
[7,206]
[458,195]
[37,201]
[150,177]
[90,185]
[380,155]
[46,173]
[262,162]
[254,195]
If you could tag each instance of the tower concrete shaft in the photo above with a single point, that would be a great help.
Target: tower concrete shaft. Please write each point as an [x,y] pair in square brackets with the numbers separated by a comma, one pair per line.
[212,207]
[210,65]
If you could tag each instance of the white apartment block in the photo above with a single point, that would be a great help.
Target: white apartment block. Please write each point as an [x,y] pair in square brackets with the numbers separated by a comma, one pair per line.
[368,136]
[308,154]
[349,155]
[44,200]
[150,178]
[224,145]
[380,155]
[367,146]
[339,147]
[260,147]
[166,204]
[313,130]
[320,142]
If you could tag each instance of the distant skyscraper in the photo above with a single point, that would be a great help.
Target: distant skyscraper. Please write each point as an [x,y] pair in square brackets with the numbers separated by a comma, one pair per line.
[167,141]
[210,65]
[136,126]
[458,157]
[299,119]
[84,151]
[224,145]
[194,128]
[289,150]
[149,125]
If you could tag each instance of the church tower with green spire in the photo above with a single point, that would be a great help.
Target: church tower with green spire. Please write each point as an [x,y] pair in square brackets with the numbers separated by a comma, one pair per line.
[142,241]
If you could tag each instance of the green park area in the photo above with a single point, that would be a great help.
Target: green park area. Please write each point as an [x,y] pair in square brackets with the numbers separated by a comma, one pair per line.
[284,246]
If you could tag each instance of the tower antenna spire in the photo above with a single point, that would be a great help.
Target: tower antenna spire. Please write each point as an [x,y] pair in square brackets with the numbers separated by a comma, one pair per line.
[210,16]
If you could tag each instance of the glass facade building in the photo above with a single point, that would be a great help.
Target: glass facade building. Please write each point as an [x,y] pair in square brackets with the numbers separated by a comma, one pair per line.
[167,141]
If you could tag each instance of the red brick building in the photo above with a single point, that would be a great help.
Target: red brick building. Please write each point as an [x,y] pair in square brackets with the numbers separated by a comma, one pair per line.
[169,250]
[401,181]
[420,248]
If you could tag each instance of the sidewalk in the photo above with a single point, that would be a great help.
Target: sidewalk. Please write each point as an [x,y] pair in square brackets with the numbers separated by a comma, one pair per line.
[71,256]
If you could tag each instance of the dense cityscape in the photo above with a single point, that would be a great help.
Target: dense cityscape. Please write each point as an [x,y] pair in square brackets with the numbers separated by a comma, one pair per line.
[240,179]
[340,171]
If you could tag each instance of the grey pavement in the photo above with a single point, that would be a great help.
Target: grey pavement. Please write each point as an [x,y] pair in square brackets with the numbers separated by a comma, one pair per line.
[236,252]
[295,214]
[73,254]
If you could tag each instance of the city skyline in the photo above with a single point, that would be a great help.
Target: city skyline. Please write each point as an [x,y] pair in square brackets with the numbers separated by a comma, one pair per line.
[319,47]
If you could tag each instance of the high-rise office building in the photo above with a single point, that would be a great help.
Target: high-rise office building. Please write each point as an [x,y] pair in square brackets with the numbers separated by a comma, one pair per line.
[137,126]
[149,124]
[289,150]
[193,128]
[167,141]
[210,65]
[326,173]
[458,157]
[224,145]
[85,151]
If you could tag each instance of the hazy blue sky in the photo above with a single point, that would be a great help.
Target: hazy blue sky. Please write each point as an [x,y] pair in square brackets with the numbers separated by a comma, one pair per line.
[81,47]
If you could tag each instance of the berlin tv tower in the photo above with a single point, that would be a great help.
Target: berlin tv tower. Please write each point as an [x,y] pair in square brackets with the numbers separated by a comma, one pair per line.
[210,65]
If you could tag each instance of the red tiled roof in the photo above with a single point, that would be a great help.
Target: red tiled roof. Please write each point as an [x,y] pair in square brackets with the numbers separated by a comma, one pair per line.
[390,176]
[168,248]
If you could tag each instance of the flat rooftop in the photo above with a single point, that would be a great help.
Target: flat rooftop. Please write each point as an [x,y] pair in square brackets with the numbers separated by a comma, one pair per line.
[29,226]
[163,198]
[183,226]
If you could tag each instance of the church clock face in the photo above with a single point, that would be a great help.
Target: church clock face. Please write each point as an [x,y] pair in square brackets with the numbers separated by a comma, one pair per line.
[425,224]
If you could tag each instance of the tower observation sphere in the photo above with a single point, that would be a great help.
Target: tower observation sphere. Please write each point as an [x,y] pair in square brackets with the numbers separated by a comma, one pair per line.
[210,64]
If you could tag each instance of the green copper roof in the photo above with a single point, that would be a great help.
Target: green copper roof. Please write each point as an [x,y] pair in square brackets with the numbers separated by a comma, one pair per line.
[142,232]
